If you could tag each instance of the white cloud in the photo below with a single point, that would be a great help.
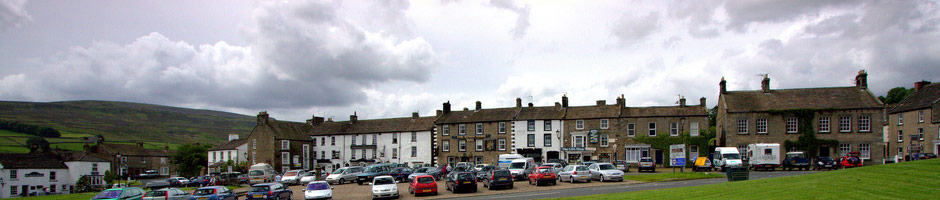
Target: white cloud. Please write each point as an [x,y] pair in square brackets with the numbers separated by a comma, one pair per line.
[522,21]
[13,13]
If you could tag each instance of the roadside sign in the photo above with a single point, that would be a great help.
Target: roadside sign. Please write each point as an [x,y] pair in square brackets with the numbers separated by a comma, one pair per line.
[677,154]
[592,136]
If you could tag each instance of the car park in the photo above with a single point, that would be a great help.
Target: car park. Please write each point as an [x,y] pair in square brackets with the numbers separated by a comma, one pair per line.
[647,164]
[483,172]
[127,193]
[605,172]
[702,164]
[572,173]
[166,194]
[796,160]
[371,172]
[423,184]
[213,193]
[342,175]
[317,190]
[543,174]
[269,191]
[400,174]
[461,181]
[851,160]
[291,177]
[384,187]
[825,162]
[307,177]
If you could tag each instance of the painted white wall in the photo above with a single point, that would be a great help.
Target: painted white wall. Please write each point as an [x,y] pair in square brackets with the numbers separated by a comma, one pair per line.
[238,155]
[62,178]
[77,169]
[384,144]
[520,133]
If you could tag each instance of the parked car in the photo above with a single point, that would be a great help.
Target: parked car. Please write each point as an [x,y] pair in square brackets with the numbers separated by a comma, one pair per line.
[200,181]
[229,178]
[423,184]
[461,181]
[725,157]
[384,187]
[605,172]
[824,162]
[261,173]
[588,163]
[269,191]
[851,160]
[157,184]
[401,173]
[464,164]
[498,178]
[166,194]
[373,171]
[128,193]
[341,175]
[543,174]
[178,181]
[307,177]
[213,193]
[796,160]
[556,167]
[316,190]
[572,173]
[419,172]
[926,156]
[647,164]
[483,172]
[119,185]
[243,179]
[559,161]
[702,164]
[479,167]
[291,177]
[148,174]
[461,169]
[521,168]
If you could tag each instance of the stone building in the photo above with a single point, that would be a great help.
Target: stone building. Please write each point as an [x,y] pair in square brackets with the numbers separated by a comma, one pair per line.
[676,121]
[406,140]
[590,132]
[914,123]
[282,144]
[478,135]
[537,131]
[133,159]
[849,116]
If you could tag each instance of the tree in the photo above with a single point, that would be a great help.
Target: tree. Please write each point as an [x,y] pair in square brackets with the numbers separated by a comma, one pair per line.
[190,158]
[49,132]
[110,176]
[895,95]
[82,185]
[37,143]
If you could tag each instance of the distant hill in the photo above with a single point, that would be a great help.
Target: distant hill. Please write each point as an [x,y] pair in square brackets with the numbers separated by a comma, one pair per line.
[130,122]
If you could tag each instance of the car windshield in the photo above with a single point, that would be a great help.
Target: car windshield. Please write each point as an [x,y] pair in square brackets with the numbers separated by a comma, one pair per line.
[731,156]
[339,171]
[518,165]
[384,181]
[318,186]
[256,173]
[208,191]
[795,155]
[501,173]
[581,168]
[465,176]
[108,194]
[646,160]
[826,159]
[373,169]
[259,188]
[606,167]
[290,174]
[545,170]
[155,194]
[460,169]
[421,170]
[425,180]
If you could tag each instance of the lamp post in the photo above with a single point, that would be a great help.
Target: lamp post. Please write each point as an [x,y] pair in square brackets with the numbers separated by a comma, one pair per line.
[682,137]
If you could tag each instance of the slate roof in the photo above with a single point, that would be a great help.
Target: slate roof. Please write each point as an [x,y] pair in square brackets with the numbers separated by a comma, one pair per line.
[404,124]
[802,98]
[230,145]
[541,113]
[130,150]
[85,157]
[482,115]
[288,130]
[31,161]
[923,98]
[592,112]
[664,111]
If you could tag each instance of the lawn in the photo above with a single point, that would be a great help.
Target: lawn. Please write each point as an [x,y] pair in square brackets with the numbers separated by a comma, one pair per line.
[909,180]
[82,196]
[672,176]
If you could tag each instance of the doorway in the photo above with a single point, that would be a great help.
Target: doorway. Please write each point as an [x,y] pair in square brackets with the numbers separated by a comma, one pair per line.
[659,157]
[824,151]
[551,155]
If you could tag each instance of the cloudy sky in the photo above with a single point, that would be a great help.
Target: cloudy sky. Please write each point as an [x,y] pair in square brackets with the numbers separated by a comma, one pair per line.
[390,58]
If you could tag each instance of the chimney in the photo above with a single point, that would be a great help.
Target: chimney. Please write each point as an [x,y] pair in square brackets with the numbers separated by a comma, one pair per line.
[861,80]
[722,85]
[765,84]
[262,118]
[564,101]
[530,105]
[353,117]
[479,106]
[601,102]
[315,121]
[414,115]
[465,109]
[446,107]
[329,119]
[557,105]
[701,101]
[232,137]
[439,113]
[920,84]
[682,101]
[518,102]
[621,101]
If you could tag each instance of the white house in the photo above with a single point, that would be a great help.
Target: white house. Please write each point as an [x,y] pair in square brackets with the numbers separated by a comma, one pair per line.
[363,142]
[84,164]
[234,150]
[32,173]
[537,132]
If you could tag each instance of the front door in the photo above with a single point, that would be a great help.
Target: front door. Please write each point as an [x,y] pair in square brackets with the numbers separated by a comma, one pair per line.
[659,156]
[551,155]
[824,151]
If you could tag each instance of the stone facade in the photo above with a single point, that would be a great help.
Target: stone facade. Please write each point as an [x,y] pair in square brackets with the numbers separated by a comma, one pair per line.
[495,138]
[914,123]
[278,143]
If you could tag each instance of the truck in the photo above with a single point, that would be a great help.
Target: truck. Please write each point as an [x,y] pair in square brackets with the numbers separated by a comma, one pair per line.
[521,168]
[796,160]
[764,156]
[725,157]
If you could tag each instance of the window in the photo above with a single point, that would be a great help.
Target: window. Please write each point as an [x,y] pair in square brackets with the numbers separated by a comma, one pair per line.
[414,136]
[354,139]
[792,125]
[530,140]
[530,125]
[864,123]
[631,130]
[844,148]
[502,127]
[314,154]
[845,124]
[414,151]
[652,130]
[865,150]
[579,124]
[13,174]
[451,161]
[823,124]
[900,119]
[363,154]
[547,125]
[693,149]
[743,148]
[742,126]
[285,158]
[52,188]
[548,140]
[51,175]
[285,144]
[479,144]
[578,141]
[479,129]
[461,145]
[693,129]
[333,140]
[605,123]
[920,134]
[374,152]
[254,143]
[478,160]
[633,154]
[920,116]
[445,145]
[164,171]
[314,141]
[322,154]
[446,130]
[163,160]
[674,129]
[900,151]
[394,138]
[502,144]
[364,139]
[13,191]
[461,129]
[375,139]
[323,141]
[900,136]
[394,153]
[94,167]
[336,154]
[604,140]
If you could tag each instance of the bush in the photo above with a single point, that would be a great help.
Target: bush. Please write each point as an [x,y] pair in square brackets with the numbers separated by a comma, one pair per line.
[29,129]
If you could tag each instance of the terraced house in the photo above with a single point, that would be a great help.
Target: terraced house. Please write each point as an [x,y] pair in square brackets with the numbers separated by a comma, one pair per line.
[357,142]
[843,119]
[477,135]
[282,144]
[914,123]
[680,121]
[537,131]
[590,132]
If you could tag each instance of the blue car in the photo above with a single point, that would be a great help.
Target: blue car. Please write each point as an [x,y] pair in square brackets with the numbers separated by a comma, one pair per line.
[373,171]
[213,193]
[269,191]
[401,174]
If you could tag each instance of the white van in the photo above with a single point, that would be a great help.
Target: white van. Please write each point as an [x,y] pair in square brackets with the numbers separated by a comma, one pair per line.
[764,155]
[725,157]
[261,173]
[521,168]
[505,159]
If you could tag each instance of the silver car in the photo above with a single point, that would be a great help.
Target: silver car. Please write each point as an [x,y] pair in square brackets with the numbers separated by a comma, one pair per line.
[308,177]
[166,194]
[343,175]
[556,167]
[605,172]
[292,177]
[572,173]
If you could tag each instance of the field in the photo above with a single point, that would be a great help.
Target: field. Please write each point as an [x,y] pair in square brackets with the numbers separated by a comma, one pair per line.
[909,180]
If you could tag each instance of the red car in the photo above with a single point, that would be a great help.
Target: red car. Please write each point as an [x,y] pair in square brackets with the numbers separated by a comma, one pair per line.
[851,160]
[424,184]
[543,174]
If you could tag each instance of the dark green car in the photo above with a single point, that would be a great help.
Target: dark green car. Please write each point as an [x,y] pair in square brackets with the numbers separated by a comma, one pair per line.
[131,193]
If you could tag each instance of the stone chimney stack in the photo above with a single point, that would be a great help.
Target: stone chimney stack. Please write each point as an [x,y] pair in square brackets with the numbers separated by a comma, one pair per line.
[262,118]
[479,106]
[765,84]
[530,105]
[722,85]
[315,121]
[414,115]
[682,101]
[621,101]
[601,102]
[557,105]
[518,102]
[920,84]
[861,80]
[701,101]
[353,118]
[564,101]
[446,107]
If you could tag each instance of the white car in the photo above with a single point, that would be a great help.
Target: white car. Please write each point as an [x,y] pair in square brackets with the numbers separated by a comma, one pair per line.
[479,167]
[384,187]
[291,177]
[318,190]
[605,172]
[308,177]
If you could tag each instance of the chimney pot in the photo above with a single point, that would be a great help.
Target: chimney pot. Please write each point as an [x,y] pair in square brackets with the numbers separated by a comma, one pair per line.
[465,109]
[682,101]
[701,101]
[479,105]
[414,115]
[557,105]
[518,102]
[353,117]
[722,85]
[601,102]
[564,101]
[446,107]
[861,80]
[621,101]
[765,84]
[530,105]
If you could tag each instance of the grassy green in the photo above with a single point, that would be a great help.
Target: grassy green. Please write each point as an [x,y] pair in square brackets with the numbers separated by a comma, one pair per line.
[672,176]
[11,133]
[82,196]
[908,180]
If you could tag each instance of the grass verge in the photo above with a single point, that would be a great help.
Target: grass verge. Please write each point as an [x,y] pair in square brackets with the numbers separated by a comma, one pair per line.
[672,176]
[82,196]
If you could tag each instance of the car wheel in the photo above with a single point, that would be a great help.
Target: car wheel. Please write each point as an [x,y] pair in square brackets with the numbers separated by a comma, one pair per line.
[360,183]
[341,181]
[602,178]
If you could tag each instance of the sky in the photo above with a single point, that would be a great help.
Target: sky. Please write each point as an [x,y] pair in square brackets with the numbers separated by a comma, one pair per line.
[378,59]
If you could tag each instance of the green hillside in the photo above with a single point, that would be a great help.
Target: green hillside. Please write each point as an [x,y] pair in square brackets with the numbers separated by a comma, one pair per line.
[121,121]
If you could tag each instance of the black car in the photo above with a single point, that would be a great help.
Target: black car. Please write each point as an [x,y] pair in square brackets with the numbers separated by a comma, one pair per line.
[485,171]
[460,169]
[926,156]
[458,181]
[825,162]
[498,178]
